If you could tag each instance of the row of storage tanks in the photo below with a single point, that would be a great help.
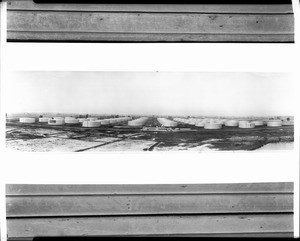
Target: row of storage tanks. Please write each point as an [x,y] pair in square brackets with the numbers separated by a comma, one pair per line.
[219,123]
[87,122]
[167,123]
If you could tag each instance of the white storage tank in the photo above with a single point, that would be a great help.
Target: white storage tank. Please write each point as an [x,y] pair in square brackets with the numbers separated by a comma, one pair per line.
[91,124]
[258,122]
[56,122]
[138,122]
[212,126]
[246,125]
[27,120]
[44,119]
[274,123]
[104,122]
[71,120]
[232,123]
[167,123]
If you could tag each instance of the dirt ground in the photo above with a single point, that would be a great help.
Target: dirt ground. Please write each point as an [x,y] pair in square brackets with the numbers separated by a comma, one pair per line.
[43,138]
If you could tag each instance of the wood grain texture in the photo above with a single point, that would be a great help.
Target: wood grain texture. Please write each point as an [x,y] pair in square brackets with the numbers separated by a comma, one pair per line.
[196,210]
[147,205]
[141,225]
[152,23]
[229,188]
[219,235]
[149,23]
[183,8]
[137,37]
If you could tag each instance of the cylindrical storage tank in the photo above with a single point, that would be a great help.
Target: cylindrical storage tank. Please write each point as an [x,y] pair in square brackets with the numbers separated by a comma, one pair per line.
[232,123]
[69,118]
[104,122]
[56,122]
[11,119]
[212,125]
[59,118]
[167,123]
[91,124]
[258,122]
[134,123]
[81,119]
[27,120]
[274,123]
[71,121]
[44,119]
[113,120]
[138,122]
[246,124]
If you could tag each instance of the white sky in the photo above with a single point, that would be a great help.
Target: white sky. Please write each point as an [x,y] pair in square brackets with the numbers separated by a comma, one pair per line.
[150,93]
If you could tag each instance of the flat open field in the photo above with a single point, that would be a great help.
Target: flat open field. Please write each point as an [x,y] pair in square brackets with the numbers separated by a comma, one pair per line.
[39,137]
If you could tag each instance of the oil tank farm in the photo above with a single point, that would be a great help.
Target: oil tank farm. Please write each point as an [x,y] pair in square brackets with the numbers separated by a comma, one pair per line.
[57,121]
[81,120]
[232,123]
[44,119]
[91,119]
[104,122]
[138,122]
[71,120]
[91,123]
[258,122]
[274,123]
[94,122]
[246,124]
[181,120]
[166,122]
[27,120]
[112,121]
[212,125]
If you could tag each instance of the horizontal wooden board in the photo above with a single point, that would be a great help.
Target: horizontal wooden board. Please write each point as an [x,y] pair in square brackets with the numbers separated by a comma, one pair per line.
[150,23]
[199,8]
[134,37]
[60,189]
[143,225]
[221,235]
[146,204]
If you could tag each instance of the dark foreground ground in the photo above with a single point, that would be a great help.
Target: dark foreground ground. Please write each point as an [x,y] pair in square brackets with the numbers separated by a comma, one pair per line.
[41,137]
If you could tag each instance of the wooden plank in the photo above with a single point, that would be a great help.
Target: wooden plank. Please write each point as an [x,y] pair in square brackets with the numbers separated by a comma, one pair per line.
[144,225]
[146,204]
[150,22]
[131,189]
[221,235]
[183,8]
[134,37]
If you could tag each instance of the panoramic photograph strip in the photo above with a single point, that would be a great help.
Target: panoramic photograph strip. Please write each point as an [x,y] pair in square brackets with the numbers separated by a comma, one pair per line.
[148,111]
